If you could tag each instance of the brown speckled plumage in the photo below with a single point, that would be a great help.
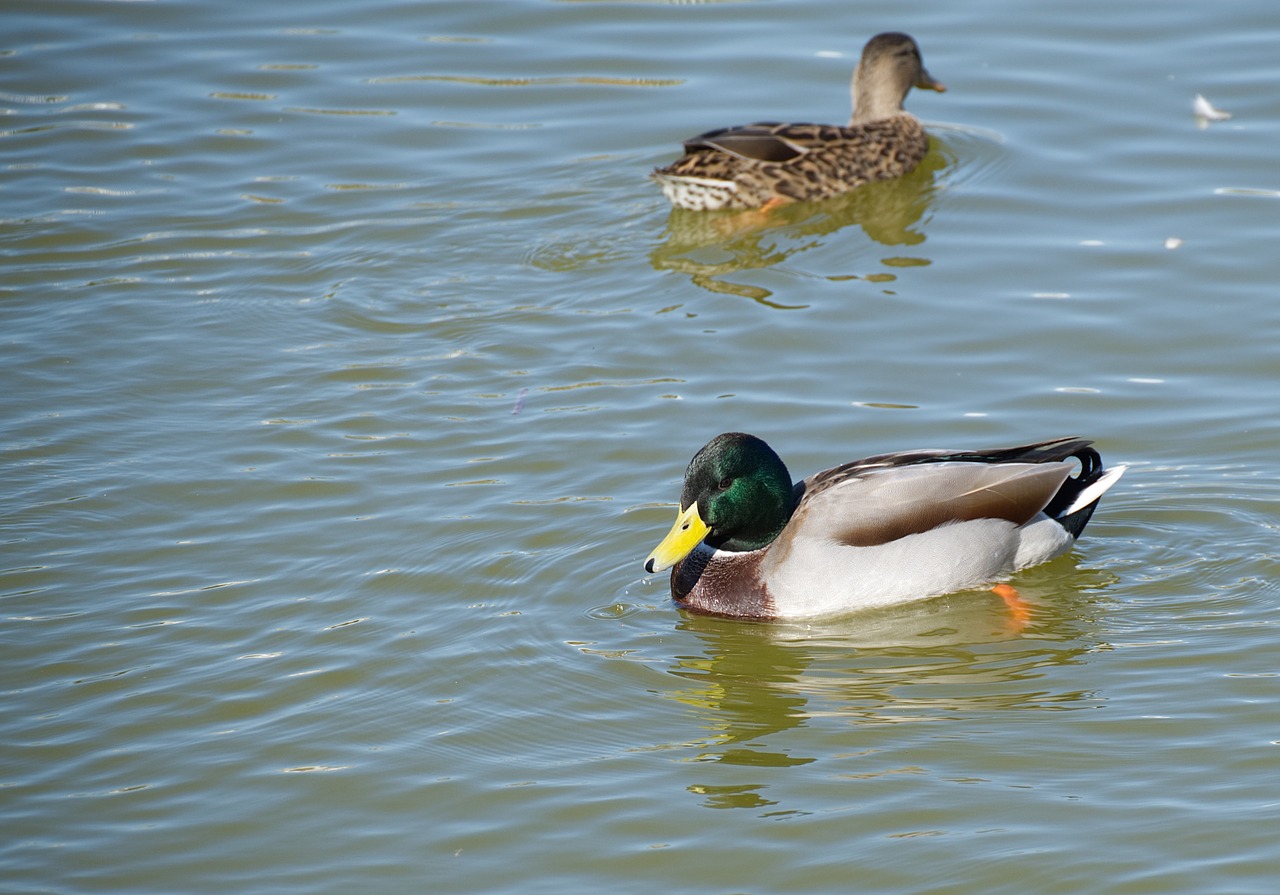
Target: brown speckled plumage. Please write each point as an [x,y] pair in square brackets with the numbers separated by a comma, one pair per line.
[757,164]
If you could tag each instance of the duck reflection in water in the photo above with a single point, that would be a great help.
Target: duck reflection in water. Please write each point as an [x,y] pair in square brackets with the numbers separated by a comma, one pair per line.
[946,660]
[708,246]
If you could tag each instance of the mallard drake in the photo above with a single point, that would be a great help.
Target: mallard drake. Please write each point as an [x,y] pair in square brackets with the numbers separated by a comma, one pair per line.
[887,529]
[769,162]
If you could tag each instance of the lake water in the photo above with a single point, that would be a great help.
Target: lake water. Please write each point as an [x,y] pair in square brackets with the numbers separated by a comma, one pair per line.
[351,364]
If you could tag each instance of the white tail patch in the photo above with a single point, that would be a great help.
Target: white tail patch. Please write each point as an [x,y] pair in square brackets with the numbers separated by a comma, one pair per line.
[1096,490]
[696,193]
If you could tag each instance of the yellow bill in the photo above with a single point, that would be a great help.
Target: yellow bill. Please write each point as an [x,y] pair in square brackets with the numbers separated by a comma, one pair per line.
[686,534]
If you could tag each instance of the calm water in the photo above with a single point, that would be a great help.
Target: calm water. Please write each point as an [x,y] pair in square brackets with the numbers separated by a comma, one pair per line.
[351,365]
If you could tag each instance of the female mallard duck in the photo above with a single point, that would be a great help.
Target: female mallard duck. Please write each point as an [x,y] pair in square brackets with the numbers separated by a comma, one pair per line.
[887,529]
[769,163]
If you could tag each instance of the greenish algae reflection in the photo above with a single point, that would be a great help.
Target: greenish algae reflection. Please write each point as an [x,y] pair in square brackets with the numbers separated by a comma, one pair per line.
[944,660]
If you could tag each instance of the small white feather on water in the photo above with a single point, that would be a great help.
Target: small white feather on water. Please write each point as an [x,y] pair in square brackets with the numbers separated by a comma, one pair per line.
[1205,112]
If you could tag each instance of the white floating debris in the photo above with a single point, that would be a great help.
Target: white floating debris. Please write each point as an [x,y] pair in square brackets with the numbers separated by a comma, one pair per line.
[1235,191]
[1172,242]
[1205,112]
[1050,294]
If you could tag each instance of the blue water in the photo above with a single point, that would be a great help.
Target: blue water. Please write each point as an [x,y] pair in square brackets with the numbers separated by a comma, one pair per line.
[351,364]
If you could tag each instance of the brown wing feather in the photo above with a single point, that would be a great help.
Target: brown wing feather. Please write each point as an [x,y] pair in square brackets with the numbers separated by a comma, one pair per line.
[1055,450]
[752,142]
[769,141]
[866,509]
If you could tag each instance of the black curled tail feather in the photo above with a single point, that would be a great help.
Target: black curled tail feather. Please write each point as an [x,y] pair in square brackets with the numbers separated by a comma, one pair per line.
[1090,471]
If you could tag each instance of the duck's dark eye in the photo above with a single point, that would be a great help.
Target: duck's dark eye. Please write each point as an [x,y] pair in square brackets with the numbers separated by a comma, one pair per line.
[725,484]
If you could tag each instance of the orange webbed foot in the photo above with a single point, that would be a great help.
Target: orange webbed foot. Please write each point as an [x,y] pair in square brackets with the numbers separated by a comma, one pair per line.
[1019,609]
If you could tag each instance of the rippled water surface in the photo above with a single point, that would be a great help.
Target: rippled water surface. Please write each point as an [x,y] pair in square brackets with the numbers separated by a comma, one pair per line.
[351,364]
